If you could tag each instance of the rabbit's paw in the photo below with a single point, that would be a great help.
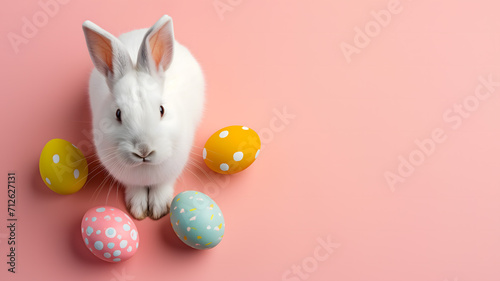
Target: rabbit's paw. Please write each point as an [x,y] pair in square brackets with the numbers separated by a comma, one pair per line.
[136,198]
[160,198]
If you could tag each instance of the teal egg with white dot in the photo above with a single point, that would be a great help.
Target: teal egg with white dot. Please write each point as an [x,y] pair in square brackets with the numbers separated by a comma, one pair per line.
[197,220]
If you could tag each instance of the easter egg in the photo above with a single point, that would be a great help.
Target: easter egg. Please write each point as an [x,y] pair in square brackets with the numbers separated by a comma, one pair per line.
[231,149]
[109,234]
[63,167]
[197,220]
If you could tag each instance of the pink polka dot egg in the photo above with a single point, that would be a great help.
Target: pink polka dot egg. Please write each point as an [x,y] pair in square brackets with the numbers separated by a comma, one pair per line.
[109,234]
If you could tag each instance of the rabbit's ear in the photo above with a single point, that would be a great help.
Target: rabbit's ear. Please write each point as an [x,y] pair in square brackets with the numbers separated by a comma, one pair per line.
[157,48]
[108,54]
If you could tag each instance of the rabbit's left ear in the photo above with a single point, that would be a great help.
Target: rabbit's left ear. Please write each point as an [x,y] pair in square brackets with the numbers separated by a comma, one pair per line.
[157,48]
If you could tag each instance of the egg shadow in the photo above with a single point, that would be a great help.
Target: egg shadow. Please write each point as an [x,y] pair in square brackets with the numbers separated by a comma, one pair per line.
[37,185]
[78,249]
[170,238]
[175,245]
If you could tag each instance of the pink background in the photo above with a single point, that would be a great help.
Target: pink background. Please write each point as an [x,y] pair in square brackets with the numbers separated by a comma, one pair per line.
[320,174]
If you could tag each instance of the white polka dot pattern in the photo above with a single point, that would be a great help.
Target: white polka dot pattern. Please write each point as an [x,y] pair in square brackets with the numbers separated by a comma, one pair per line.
[231,149]
[63,167]
[237,156]
[119,233]
[224,167]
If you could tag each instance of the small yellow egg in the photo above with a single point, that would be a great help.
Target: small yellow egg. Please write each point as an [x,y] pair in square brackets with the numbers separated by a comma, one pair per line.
[63,167]
[231,149]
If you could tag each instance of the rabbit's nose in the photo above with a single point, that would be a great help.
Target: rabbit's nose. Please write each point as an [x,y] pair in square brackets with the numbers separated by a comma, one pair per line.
[144,151]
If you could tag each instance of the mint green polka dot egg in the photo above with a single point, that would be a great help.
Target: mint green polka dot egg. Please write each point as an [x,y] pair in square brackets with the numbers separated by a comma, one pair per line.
[197,220]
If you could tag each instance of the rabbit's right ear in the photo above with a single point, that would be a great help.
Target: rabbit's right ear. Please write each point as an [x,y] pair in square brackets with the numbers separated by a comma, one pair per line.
[157,48]
[108,54]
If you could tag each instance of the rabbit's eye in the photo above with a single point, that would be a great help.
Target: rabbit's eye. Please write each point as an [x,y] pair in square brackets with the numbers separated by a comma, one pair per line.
[162,110]
[119,115]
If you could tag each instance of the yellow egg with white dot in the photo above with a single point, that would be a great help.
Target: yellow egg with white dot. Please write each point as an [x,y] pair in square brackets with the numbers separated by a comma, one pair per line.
[231,149]
[63,167]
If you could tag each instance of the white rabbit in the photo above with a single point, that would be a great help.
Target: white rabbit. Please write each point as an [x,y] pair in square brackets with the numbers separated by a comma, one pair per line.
[147,97]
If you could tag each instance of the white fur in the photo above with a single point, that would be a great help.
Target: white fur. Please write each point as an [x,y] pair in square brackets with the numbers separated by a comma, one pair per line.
[138,93]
